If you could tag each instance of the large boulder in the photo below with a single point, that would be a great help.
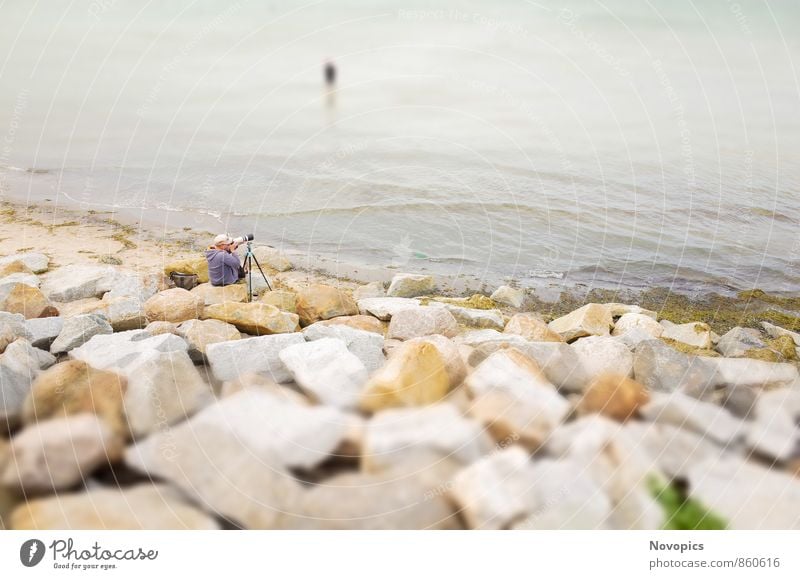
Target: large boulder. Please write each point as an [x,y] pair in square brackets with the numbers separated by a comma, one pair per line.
[774,431]
[20,365]
[531,327]
[695,334]
[633,322]
[142,506]
[410,285]
[737,341]
[663,369]
[615,396]
[122,312]
[219,294]
[385,308]
[26,278]
[414,375]
[173,305]
[163,388]
[271,257]
[231,360]
[117,351]
[327,371]
[397,436]
[75,282]
[599,354]
[748,372]
[74,387]
[774,331]
[448,349]
[475,318]
[79,330]
[357,322]
[199,334]
[281,299]
[509,296]
[322,302]
[422,321]
[367,346]
[20,298]
[192,265]
[34,262]
[706,419]
[254,318]
[58,453]
[589,320]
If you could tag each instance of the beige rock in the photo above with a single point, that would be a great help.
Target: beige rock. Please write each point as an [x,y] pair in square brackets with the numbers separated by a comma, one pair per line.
[20,298]
[281,299]
[373,289]
[632,322]
[173,305]
[195,265]
[697,334]
[7,336]
[122,312]
[409,285]
[200,333]
[532,328]
[415,375]
[251,380]
[74,387]
[615,396]
[322,302]
[422,321]
[140,507]
[358,322]
[589,320]
[509,296]
[272,258]
[617,310]
[158,328]
[218,294]
[449,350]
[13,267]
[253,318]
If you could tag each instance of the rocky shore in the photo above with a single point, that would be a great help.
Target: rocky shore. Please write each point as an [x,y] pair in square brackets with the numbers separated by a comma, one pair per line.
[324,403]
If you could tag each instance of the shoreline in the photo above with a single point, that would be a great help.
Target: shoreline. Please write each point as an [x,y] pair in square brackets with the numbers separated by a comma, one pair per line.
[63,234]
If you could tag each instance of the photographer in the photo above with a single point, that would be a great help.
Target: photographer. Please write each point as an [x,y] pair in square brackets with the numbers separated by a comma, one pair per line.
[223,265]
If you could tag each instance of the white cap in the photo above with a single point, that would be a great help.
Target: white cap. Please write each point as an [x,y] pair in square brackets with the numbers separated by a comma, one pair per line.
[222,238]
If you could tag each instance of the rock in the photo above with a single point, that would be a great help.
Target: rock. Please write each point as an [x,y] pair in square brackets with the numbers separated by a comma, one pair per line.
[707,420]
[385,308]
[664,369]
[230,360]
[737,341]
[78,330]
[774,331]
[173,305]
[589,320]
[434,432]
[158,328]
[410,285]
[740,400]
[34,262]
[264,428]
[193,265]
[19,298]
[117,351]
[774,431]
[532,328]
[366,346]
[747,372]
[598,355]
[28,279]
[748,496]
[357,322]
[641,322]
[9,268]
[271,257]
[163,388]
[327,371]
[422,321]
[283,300]
[219,294]
[13,329]
[413,376]
[509,296]
[453,361]
[475,318]
[43,331]
[255,381]
[480,338]
[75,282]
[143,506]
[253,318]
[322,302]
[373,289]
[74,387]
[140,287]
[20,365]
[17,323]
[615,396]
[696,334]
[618,310]
[122,312]
[7,336]
[59,453]
[199,334]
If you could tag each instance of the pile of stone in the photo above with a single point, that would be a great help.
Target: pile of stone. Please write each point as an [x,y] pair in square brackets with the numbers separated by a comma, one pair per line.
[319,405]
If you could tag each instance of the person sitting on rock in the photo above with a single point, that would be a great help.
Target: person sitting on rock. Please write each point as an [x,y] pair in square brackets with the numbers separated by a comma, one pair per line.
[223,265]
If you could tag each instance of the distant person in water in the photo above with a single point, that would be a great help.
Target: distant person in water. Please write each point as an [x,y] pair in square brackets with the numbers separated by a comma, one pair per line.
[330,74]
[223,265]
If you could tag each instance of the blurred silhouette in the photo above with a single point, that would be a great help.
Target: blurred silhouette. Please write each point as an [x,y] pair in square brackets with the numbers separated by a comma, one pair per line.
[330,74]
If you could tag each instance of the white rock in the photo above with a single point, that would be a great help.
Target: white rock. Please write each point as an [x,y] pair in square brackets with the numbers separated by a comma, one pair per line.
[326,370]
[588,320]
[118,351]
[599,354]
[632,321]
[617,310]
[737,341]
[409,285]
[199,334]
[774,431]
[422,321]
[697,334]
[750,372]
[20,364]
[774,331]
[74,282]
[707,420]
[476,318]
[78,330]
[373,289]
[163,388]
[385,308]
[477,338]
[58,453]
[36,262]
[17,323]
[230,360]
[509,296]
[367,346]
[396,435]
[23,278]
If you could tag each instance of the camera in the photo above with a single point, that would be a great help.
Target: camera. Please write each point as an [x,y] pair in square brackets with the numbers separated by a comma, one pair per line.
[243,238]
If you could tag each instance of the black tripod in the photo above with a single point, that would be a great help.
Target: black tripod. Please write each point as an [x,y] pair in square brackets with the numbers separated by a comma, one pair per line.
[249,258]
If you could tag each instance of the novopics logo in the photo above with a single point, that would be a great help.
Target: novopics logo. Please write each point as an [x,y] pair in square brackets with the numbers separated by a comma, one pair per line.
[31,552]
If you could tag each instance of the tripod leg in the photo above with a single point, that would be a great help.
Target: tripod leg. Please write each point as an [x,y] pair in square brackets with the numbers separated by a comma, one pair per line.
[258,265]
